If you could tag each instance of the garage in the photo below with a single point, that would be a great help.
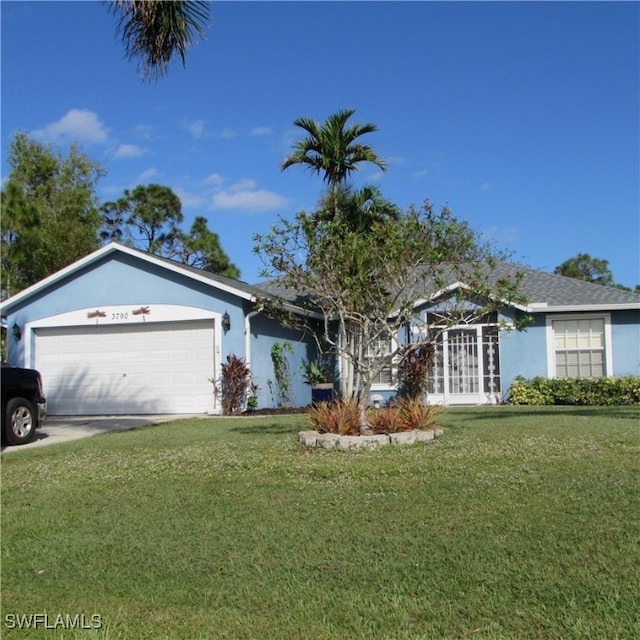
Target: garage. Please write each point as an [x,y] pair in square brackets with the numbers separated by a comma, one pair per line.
[144,368]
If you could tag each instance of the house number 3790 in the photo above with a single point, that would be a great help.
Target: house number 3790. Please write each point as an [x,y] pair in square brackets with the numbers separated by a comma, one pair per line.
[120,315]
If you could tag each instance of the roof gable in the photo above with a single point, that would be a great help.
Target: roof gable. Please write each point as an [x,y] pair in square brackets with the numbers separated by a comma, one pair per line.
[234,287]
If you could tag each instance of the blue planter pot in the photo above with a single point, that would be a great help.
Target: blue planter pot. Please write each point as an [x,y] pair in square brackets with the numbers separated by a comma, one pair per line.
[322,393]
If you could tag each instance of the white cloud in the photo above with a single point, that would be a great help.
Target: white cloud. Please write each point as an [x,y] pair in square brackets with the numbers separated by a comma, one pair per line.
[246,184]
[189,200]
[195,128]
[260,131]
[78,125]
[214,179]
[226,133]
[146,176]
[248,200]
[129,151]
[486,186]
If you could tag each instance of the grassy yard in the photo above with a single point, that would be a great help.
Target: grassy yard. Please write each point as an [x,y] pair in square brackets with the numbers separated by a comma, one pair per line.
[518,523]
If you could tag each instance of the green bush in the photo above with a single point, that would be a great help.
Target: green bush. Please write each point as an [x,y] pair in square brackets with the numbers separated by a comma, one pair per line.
[575,391]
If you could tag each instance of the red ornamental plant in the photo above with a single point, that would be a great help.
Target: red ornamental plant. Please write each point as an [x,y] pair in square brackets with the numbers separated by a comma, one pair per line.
[341,417]
[234,385]
[405,415]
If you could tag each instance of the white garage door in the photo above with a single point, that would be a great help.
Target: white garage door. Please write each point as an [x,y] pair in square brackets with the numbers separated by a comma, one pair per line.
[121,369]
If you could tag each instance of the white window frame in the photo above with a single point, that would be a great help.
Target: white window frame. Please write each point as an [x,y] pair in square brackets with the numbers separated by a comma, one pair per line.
[393,368]
[608,340]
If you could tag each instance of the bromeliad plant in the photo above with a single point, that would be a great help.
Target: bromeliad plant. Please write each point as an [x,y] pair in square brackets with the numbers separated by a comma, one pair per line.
[341,417]
[404,415]
[317,372]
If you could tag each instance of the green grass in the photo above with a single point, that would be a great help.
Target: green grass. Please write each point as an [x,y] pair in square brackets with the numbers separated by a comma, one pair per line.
[518,523]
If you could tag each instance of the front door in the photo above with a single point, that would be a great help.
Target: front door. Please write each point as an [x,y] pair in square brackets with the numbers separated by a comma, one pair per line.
[466,366]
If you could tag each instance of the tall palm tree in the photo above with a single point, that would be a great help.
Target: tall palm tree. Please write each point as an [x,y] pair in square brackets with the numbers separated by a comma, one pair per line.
[331,148]
[154,30]
[359,209]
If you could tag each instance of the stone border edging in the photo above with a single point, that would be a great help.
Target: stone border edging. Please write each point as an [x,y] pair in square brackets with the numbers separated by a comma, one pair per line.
[315,439]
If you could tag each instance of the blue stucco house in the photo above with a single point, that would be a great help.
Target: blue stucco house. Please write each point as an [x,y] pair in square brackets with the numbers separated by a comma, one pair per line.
[122,331]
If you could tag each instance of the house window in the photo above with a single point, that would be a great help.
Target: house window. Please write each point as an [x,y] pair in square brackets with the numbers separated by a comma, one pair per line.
[579,347]
[381,350]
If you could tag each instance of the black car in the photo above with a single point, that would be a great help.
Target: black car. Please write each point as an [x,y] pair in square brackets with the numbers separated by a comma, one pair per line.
[24,405]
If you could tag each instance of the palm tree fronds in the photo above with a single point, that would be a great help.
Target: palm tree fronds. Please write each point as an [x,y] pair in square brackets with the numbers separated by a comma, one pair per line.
[154,31]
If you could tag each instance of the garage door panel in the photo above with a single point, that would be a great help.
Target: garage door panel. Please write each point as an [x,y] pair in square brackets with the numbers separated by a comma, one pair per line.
[148,368]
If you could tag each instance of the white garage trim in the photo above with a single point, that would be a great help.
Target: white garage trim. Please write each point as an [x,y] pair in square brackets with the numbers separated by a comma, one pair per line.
[113,360]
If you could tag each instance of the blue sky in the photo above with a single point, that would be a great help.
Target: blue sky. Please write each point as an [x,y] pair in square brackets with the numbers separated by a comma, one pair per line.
[522,117]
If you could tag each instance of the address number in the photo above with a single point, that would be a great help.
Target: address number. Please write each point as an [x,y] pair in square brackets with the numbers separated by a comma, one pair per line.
[120,316]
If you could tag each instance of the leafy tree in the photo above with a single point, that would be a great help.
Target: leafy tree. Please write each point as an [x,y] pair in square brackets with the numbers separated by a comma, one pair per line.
[149,218]
[20,225]
[50,216]
[584,267]
[155,31]
[364,286]
[331,148]
[201,248]
[359,209]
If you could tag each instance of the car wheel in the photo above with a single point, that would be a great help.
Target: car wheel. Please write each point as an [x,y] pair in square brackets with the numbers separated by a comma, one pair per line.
[20,424]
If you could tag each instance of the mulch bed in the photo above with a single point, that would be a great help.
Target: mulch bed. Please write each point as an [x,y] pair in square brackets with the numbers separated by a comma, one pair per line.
[280,411]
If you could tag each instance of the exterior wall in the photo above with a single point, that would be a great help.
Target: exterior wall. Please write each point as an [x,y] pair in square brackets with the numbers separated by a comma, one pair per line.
[523,353]
[124,280]
[625,329]
[264,333]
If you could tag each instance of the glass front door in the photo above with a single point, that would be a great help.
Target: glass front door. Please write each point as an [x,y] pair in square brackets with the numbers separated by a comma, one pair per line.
[466,366]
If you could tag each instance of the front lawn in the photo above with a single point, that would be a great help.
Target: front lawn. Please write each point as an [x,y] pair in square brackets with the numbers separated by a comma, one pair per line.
[518,523]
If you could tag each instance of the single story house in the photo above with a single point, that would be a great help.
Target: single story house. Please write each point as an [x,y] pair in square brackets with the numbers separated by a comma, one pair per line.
[122,331]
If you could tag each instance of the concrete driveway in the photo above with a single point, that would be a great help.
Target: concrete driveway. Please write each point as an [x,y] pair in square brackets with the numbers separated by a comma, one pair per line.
[58,429]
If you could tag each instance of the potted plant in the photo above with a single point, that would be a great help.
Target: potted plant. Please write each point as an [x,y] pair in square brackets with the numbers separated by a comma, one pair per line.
[319,376]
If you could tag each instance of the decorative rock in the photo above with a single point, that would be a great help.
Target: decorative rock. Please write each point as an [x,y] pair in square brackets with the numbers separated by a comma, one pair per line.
[378,440]
[308,438]
[350,442]
[361,442]
[335,441]
[327,440]
[425,436]
[404,437]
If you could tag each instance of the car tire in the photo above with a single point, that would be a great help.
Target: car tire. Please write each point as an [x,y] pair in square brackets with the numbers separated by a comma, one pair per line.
[20,421]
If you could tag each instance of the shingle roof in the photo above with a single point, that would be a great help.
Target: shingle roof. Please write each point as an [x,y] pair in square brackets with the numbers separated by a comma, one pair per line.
[554,290]
[544,291]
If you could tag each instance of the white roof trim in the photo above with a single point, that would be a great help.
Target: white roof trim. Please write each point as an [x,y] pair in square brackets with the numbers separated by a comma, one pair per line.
[462,285]
[537,307]
[114,247]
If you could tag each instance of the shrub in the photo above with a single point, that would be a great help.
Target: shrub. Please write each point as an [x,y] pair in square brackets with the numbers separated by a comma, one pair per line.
[575,391]
[405,415]
[385,419]
[527,392]
[413,371]
[417,415]
[234,385]
[281,388]
[341,417]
